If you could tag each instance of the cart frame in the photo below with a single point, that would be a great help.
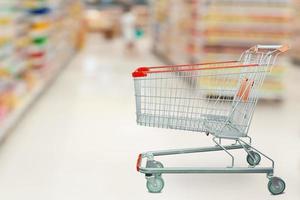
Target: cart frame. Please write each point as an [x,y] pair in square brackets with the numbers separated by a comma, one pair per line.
[154,169]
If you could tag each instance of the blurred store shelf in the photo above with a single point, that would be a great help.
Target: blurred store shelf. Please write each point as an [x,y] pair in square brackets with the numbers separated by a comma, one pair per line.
[39,38]
[216,30]
[296,36]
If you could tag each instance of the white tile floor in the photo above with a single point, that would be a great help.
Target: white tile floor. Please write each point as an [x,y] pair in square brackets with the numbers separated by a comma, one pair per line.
[80,140]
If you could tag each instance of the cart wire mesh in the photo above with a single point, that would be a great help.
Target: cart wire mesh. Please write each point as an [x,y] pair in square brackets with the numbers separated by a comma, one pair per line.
[217,98]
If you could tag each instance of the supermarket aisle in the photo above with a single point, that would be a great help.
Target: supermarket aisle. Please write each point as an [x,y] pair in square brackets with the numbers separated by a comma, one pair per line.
[73,141]
[80,140]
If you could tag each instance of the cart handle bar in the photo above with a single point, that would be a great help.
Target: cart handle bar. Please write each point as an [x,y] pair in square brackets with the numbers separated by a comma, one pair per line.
[144,71]
[280,48]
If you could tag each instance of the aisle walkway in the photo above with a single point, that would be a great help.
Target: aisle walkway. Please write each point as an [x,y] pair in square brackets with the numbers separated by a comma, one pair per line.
[80,141]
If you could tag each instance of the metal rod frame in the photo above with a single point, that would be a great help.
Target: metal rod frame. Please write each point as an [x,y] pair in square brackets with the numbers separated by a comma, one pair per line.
[239,144]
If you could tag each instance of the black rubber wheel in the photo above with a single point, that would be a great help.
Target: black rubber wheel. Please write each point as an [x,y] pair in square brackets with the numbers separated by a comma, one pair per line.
[276,185]
[255,161]
[155,184]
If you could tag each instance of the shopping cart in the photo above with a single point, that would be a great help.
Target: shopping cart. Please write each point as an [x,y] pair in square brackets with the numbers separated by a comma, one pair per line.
[214,98]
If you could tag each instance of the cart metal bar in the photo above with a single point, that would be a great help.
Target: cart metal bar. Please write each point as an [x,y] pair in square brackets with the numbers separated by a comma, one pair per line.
[222,147]
[221,170]
[190,150]
[281,48]
[270,159]
[203,68]
[185,65]
[144,71]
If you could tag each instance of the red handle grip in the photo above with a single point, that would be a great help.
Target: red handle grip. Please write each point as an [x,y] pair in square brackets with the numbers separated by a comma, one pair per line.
[143,71]
[138,162]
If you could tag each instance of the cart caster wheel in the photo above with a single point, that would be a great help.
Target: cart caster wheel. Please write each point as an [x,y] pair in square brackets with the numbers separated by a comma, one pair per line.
[155,184]
[276,185]
[256,160]
[154,164]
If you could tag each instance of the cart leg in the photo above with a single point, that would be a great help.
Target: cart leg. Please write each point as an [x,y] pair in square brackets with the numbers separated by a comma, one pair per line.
[246,148]
[150,158]
[276,185]
[235,142]
[218,144]
[253,158]
[251,147]
[250,140]
[151,154]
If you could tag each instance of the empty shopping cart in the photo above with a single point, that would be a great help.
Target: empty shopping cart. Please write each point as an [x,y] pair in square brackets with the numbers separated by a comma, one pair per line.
[216,98]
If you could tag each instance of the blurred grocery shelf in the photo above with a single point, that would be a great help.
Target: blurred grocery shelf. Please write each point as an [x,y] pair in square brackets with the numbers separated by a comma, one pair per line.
[217,30]
[296,34]
[39,38]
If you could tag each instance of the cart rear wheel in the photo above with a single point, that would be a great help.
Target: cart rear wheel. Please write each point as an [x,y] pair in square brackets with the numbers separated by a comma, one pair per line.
[276,185]
[255,161]
[155,184]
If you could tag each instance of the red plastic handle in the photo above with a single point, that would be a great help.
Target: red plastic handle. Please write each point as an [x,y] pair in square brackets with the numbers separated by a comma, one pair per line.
[143,71]
[197,64]
[138,162]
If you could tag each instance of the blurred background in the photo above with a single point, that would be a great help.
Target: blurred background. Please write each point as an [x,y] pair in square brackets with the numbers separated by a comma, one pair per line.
[67,110]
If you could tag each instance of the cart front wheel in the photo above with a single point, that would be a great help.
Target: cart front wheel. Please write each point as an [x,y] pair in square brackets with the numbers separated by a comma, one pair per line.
[155,184]
[154,164]
[255,161]
[276,185]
